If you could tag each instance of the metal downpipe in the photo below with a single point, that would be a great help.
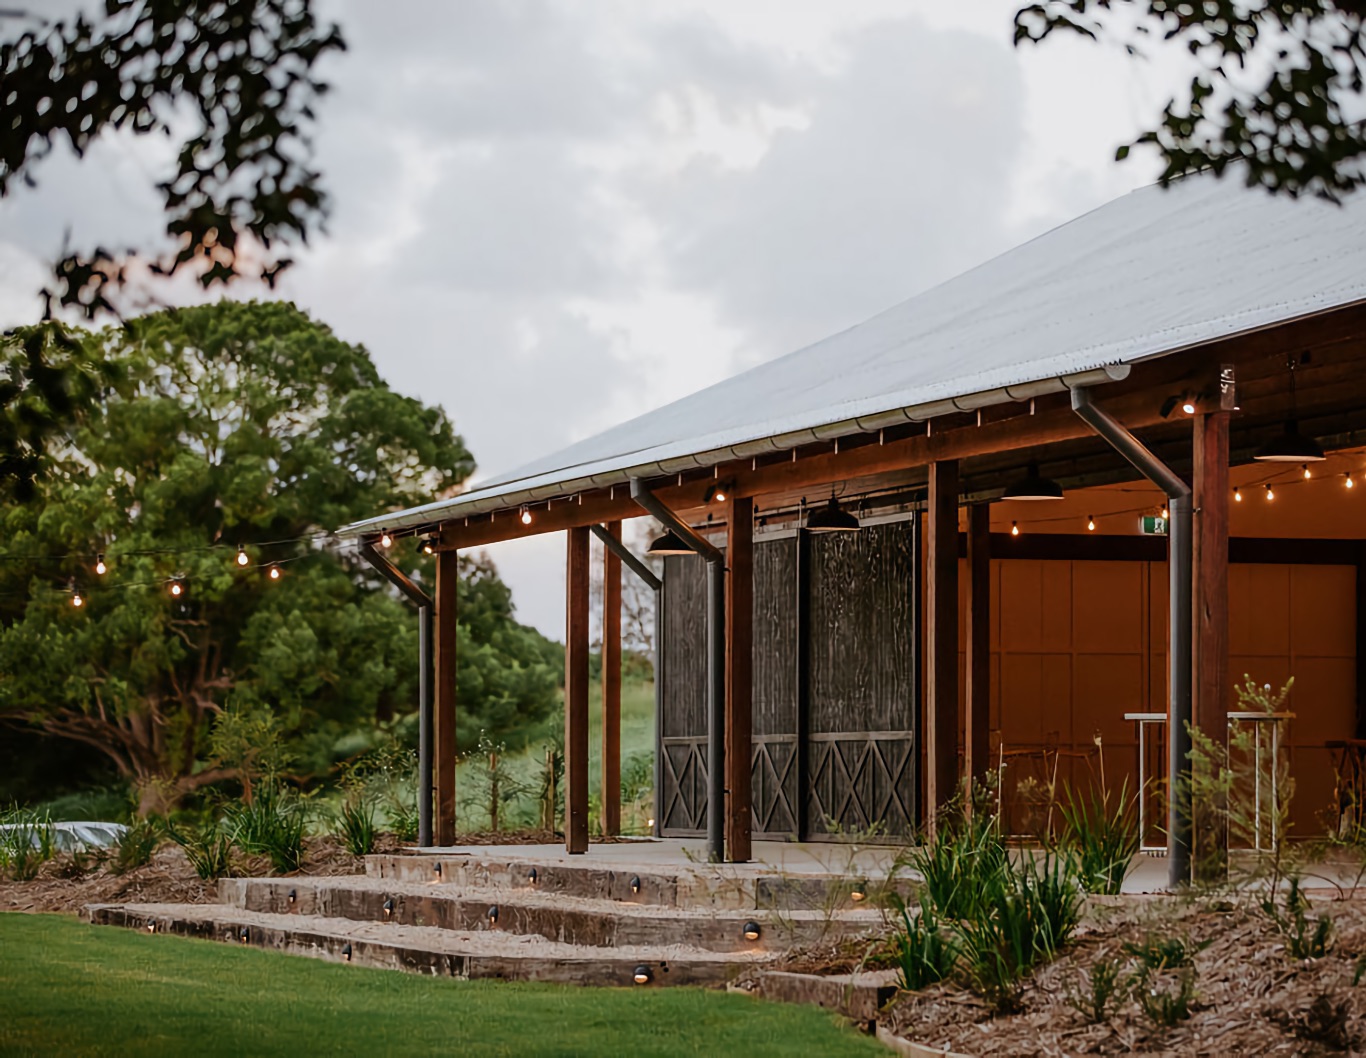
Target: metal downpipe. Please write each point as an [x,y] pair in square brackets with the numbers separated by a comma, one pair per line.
[716,665]
[426,683]
[1179,538]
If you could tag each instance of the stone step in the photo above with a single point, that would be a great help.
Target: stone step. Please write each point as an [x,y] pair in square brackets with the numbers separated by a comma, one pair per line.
[698,886]
[430,950]
[554,915]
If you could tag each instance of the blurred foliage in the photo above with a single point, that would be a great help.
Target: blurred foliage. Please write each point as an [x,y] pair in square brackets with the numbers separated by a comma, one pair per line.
[232,82]
[1274,78]
[252,426]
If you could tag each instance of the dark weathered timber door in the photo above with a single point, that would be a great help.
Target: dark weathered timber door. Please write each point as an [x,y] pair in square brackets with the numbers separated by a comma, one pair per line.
[863,689]
[775,780]
[683,699]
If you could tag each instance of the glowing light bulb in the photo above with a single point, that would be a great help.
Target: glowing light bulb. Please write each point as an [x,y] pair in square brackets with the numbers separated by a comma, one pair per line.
[1164,511]
[1188,406]
[720,495]
[100,567]
[427,547]
[1014,528]
[1350,483]
[1090,524]
[1307,474]
[242,558]
[1269,494]
[525,516]
[1238,495]
[385,540]
[177,589]
[76,599]
[274,573]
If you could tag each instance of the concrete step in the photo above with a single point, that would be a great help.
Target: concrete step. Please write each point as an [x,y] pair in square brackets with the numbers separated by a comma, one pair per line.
[431,950]
[554,915]
[713,887]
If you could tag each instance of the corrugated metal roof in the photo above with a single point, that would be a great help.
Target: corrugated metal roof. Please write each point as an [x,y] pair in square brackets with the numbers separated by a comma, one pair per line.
[1149,273]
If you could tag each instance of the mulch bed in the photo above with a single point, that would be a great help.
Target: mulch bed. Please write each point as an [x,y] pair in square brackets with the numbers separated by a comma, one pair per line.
[1251,997]
[67,883]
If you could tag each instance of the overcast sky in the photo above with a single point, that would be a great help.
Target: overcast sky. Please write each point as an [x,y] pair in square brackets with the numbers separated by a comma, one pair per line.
[549,217]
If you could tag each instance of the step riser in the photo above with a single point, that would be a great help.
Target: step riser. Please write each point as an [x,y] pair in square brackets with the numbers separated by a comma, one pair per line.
[384,955]
[594,928]
[700,888]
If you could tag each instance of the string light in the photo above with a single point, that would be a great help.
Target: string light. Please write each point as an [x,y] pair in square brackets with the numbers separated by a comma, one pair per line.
[1014,528]
[427,546]
[76,599]
[1238,494]
[525,516]
[1270,495]
[1307,474]
[177,589]
[1090,524]
[1188,406]
[274,572]
[1164,512]
[242,557]
[385,540]
[1350,483]
[100,567]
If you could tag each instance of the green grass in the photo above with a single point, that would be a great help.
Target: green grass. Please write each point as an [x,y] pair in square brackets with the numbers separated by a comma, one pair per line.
[73,989]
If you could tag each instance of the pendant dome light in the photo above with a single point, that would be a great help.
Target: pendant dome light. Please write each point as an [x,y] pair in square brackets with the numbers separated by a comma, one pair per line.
[669,544]
[832,518]
[1291,446]
[1033,486]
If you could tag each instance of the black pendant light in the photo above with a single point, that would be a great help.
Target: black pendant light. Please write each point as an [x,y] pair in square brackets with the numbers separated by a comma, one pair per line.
[1033,486]
[832,518]
[669,544]
[1291,446]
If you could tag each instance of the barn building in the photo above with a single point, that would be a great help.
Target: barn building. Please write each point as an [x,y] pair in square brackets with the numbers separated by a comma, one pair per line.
[1021,528]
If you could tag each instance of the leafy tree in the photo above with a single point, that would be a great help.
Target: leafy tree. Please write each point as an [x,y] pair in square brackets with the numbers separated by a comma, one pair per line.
[1278,95]
[232,81]
[232,426]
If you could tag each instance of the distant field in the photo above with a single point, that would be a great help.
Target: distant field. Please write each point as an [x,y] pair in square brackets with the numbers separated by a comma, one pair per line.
[637,737]
[72,989]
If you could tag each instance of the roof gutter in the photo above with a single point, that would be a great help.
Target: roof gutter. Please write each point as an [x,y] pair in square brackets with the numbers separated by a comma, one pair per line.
[500,497]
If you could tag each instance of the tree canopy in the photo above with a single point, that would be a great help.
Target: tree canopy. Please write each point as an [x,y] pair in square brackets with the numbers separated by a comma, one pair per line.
[233,82]
[1278,95]
[236,429]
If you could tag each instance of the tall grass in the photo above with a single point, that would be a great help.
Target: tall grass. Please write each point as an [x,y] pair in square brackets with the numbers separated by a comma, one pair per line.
[207,847]
[1103,837]
[926,948]
[27,841]
[272,824]
[356,825]
[961,864]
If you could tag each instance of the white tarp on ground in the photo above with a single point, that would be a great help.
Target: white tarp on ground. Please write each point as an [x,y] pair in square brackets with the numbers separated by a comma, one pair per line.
[69,837]
[1149,273]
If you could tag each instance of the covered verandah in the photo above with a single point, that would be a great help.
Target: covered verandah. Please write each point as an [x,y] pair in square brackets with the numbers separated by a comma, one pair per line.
[1118,413]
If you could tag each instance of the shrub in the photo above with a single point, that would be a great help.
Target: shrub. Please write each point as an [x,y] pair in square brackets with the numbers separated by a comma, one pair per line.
[1028,914]
[272,824]
[961,865]
[1167,998]
[27,841]
[208,849]
[925,948]
[137,845]
[1303,939]
[356,826]
[1104,987]
[1104,839]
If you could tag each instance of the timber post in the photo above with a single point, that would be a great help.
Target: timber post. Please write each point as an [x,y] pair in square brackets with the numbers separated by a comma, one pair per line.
[611,686]
[739,631]
[976,744]
[576,691]
[443,720]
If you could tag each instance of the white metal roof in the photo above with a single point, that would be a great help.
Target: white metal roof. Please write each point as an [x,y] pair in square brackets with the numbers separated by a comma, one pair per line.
[1149,273]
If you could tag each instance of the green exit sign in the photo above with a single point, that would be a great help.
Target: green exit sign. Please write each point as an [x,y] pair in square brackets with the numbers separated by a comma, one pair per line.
[1152,525]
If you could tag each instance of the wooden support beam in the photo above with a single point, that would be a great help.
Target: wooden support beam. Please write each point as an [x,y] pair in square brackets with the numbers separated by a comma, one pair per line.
[611,686]
[444,747]
[576,587]
[978,712]
[941,641]
[739,630]
[1209,623]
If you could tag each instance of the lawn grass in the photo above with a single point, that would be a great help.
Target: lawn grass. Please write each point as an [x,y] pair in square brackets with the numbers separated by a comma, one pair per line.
[71,989]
